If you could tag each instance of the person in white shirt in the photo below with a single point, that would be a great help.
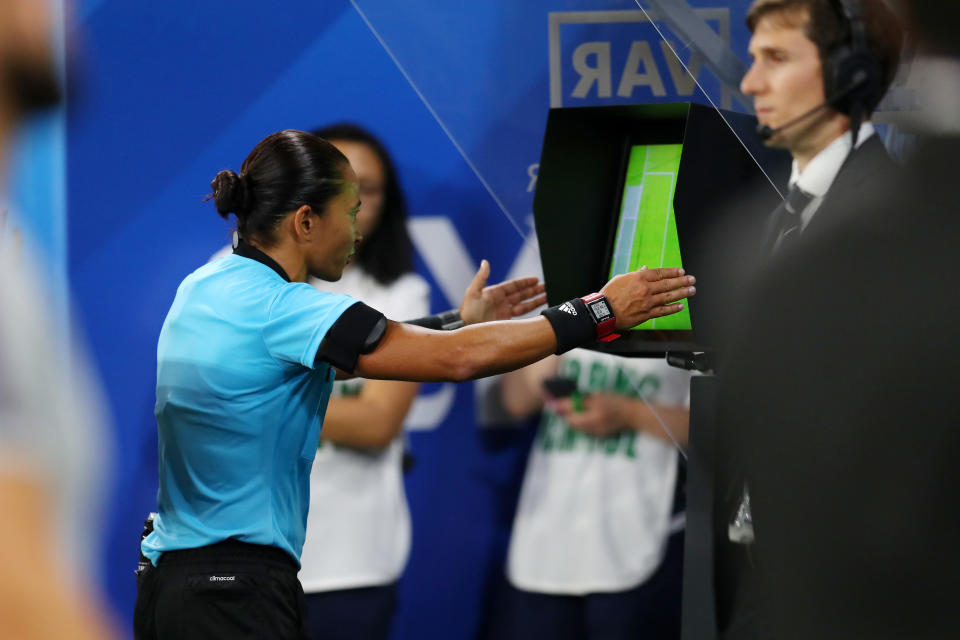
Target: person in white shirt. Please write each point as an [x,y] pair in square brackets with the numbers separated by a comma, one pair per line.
[592,553]
[358,530]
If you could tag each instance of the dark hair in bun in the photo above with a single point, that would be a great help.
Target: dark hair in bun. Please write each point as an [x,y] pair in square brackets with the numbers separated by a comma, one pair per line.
[229,194]
[285,171]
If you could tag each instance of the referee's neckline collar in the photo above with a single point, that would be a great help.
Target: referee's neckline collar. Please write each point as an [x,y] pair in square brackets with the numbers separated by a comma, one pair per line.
[245,250]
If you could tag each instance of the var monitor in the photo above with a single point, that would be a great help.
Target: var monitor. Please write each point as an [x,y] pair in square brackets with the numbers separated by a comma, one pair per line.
[646,229]
[620,188]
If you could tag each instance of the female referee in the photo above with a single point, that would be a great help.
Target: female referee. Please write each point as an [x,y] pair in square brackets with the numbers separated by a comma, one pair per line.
[245,363]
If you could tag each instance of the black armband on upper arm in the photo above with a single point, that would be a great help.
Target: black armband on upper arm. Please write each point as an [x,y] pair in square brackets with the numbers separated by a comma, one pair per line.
[357,331]
[446,321]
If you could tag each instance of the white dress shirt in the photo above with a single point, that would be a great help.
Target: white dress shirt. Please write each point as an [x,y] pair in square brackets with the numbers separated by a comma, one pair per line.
[820,172]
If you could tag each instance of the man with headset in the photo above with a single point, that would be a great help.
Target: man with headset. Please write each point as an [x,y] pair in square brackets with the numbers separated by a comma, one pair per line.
[820,68]
[850,439]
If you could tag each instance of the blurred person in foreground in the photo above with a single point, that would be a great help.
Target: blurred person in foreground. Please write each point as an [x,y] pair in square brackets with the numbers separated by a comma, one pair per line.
[849,443]
[48,445]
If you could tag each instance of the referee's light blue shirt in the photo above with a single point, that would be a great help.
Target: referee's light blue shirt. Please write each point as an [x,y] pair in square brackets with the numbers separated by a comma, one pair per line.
[239,407]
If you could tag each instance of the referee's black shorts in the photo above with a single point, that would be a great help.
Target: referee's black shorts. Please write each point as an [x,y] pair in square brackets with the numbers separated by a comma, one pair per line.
[230,590]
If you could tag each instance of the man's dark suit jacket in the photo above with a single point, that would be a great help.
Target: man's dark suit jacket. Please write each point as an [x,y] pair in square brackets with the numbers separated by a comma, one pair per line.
[839,391]
[868,167]
[739,576]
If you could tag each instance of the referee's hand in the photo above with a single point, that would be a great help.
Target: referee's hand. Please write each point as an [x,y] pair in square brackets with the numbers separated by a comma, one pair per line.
[648,293]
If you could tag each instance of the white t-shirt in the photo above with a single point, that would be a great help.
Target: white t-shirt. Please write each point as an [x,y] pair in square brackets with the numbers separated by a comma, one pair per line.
[358,528]
[594,514]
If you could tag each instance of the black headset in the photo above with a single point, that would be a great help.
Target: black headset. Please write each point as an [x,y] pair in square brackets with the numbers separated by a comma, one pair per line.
[852,75]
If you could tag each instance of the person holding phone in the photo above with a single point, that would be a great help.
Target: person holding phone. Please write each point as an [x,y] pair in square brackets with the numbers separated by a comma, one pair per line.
[593,552]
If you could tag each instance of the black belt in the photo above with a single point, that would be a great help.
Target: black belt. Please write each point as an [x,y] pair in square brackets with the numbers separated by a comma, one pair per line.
[231,550]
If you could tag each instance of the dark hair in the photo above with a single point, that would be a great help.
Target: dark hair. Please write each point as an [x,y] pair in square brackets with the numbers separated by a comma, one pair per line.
[826,27]
[387,253]
[285,171]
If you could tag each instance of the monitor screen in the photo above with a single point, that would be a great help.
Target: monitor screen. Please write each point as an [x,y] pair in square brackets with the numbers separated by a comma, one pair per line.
[646,233]
[663,185]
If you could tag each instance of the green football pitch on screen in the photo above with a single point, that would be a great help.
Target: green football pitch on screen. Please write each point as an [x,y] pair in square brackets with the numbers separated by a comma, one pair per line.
[647,228]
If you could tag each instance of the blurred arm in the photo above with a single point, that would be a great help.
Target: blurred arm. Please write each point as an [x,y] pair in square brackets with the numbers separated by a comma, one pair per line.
[605,414]
[372,419]
[35,601]
[677,420]
[521,391]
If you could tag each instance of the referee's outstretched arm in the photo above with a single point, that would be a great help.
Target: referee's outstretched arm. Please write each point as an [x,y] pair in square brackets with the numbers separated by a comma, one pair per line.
[413,353]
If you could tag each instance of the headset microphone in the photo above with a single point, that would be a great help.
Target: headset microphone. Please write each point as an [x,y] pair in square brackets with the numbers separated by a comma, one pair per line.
[765,132]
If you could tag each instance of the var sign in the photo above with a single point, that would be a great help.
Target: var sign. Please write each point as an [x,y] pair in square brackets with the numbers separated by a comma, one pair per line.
[620,57]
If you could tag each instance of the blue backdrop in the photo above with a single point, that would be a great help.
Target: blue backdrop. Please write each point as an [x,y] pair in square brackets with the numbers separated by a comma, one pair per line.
[169,93]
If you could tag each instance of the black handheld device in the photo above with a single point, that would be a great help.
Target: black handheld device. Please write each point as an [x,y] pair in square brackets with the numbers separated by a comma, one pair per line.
[564,387]
[560,386]
[144,563]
